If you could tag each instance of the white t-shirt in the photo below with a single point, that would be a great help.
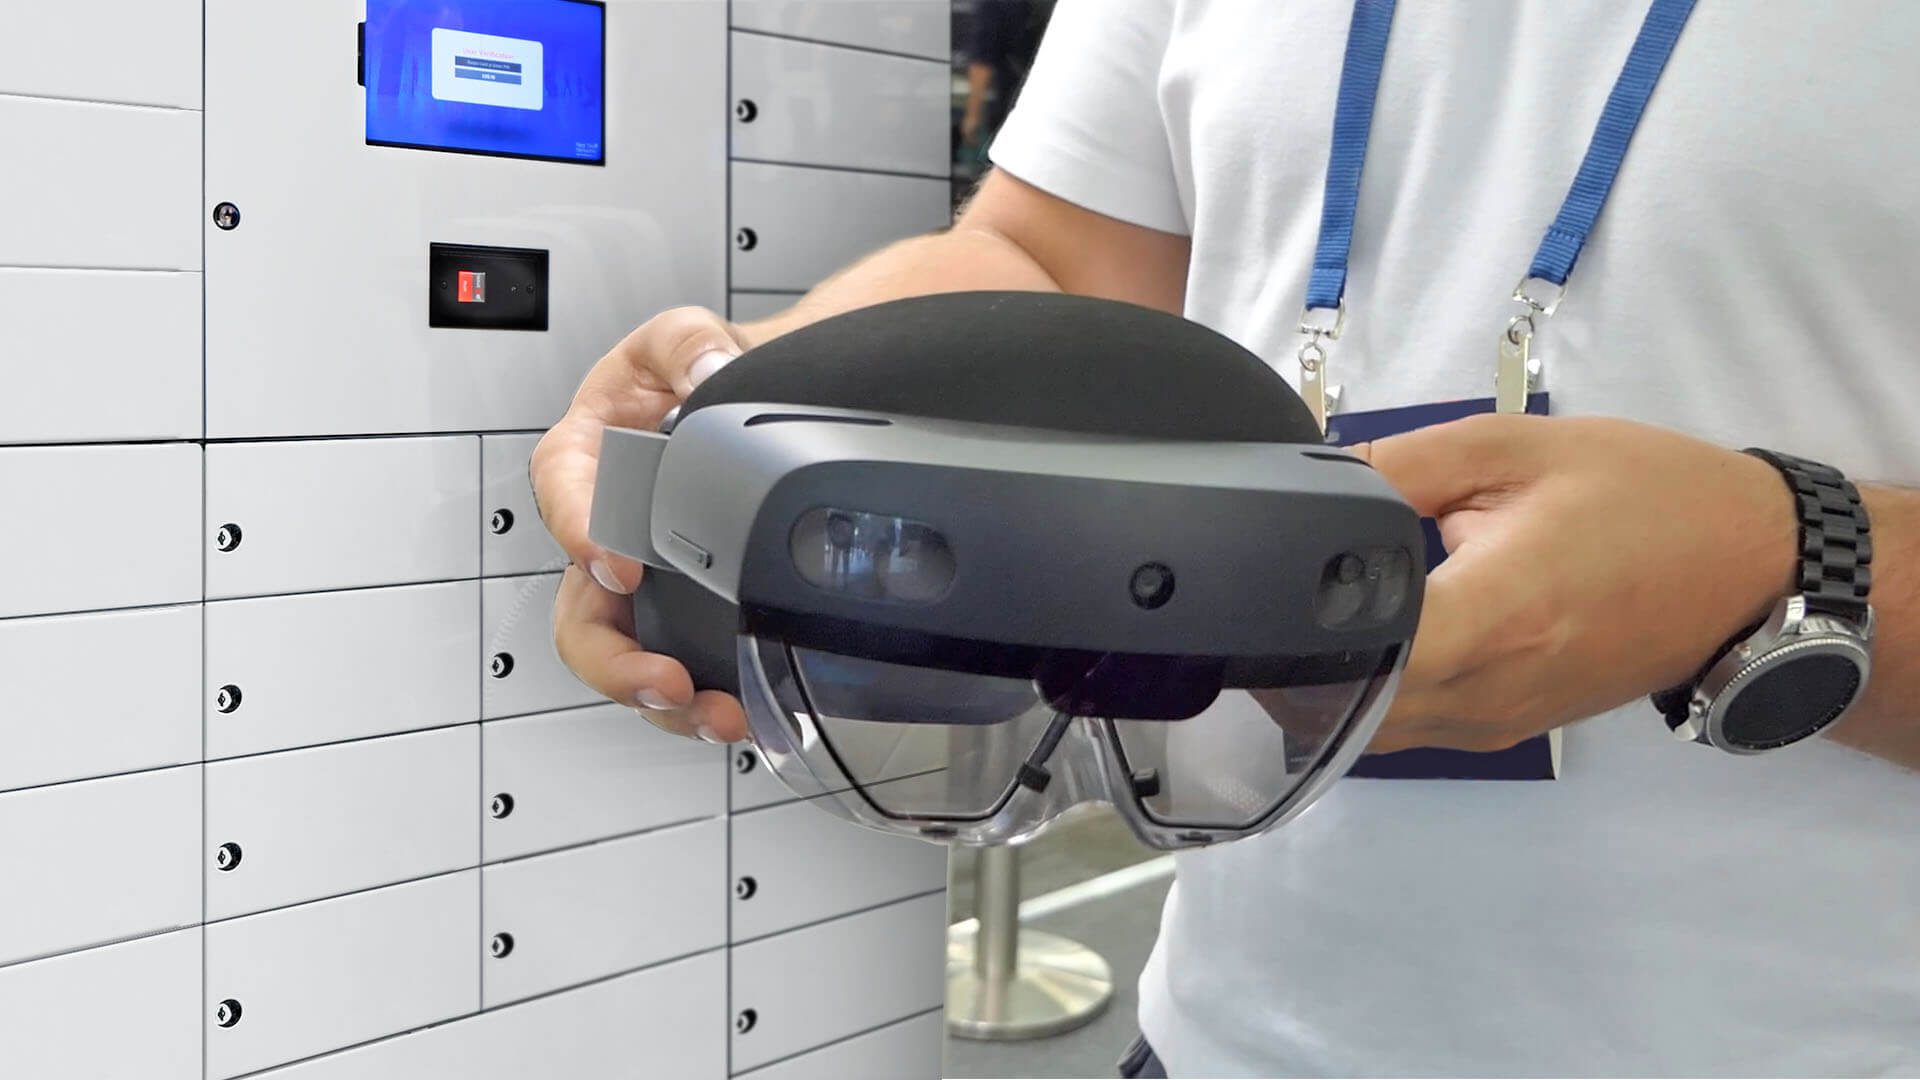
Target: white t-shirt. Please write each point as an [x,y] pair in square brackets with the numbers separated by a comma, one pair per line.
[1662,908]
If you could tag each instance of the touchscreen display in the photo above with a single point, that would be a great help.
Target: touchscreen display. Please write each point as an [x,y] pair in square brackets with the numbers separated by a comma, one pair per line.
[516,78]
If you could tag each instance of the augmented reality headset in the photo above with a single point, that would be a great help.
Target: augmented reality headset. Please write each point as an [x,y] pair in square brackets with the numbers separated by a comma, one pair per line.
[957,629]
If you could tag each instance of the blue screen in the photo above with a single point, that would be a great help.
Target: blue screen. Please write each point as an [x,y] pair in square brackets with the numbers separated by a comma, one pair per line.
[520,78]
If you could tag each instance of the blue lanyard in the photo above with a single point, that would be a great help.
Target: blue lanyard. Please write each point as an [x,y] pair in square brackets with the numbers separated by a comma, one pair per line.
[1560,248]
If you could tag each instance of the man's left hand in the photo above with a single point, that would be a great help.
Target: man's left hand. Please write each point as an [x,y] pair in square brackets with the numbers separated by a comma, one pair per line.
[1590,562]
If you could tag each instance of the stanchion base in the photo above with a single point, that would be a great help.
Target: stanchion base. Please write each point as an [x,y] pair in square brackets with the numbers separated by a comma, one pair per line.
[1061,985]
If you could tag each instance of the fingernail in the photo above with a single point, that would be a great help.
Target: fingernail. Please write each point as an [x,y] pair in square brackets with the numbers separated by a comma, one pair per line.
[653,699]
[706,734]
[659,717]
[706,364]
[603,574]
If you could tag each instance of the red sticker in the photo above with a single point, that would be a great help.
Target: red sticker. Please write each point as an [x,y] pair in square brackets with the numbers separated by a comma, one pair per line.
[473,287]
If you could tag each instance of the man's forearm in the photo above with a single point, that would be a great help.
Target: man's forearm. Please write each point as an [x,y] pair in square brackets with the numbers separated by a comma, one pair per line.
[1011,236]
[958,260]
[1886,722]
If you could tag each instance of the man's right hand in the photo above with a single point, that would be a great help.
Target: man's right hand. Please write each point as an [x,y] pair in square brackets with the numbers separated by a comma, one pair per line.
[648,373]
[1011,236]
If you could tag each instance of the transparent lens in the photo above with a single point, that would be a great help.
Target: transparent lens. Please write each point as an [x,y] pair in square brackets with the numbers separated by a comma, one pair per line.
[1252,751]
[871,556]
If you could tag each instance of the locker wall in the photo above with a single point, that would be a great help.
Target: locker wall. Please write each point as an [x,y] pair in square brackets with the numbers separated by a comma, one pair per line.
[303,785]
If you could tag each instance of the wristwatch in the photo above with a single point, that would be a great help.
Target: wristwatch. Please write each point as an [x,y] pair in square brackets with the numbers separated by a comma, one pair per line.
[1799,669]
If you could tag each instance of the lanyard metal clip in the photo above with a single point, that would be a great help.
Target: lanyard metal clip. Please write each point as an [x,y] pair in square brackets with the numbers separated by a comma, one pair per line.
[1321,398]
[1518,371]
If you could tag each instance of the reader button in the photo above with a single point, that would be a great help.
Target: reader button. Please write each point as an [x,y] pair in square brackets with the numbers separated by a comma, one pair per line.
[473,286]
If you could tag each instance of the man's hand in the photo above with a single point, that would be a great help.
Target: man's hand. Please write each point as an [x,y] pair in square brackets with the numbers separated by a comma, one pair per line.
[1590,562]
[633,386]
[1012,236]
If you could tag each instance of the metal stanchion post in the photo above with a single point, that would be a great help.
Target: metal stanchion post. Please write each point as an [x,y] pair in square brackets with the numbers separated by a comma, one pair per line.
[1006,983]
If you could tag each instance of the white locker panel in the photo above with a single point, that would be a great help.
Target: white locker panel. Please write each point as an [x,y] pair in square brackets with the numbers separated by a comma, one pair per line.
[512,538]
[751,306]
[818,985]
[589,773]
[130,174]
[126,1012]
[59,347]
[321,976]
[753,784]
[794,227]
[626,240]
[98,861]
[915,27]
[289,671]
[313,823]
[665,1023]
[522,672]
[843,108]
[68,716]
[102,50]
[99,526]
[806,865]
[594,911]
[908,1050]
[340,514]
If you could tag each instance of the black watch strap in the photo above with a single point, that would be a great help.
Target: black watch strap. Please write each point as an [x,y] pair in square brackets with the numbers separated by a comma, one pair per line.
[1836,540]
[1834,569]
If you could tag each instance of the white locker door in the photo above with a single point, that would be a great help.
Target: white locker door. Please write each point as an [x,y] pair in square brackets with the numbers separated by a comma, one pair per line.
[340,513]
[815,986]
[908,1050]
[844,108]
[68,716]
[125,1012]
[148,352]
[794,227]
[98,526]
[569,777]
[321,976]
[797,864]
[145,54]
[753,782]
[914,27]
[626,239]
[98,861]
[283,828]
[523,673]
[129,176]
[289,671]
[665,1023]
[554,921]
[513,540]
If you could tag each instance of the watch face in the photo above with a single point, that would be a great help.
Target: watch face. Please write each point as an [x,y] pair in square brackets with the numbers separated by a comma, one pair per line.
[1790,698]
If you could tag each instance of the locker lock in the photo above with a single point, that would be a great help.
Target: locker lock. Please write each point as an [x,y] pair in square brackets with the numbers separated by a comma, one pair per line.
[227,1013]
[501,522]
[227,698]
[227,216]
[746,239]
[743,762]
[227,857]
[228,537]
[501,806]
[500,946]
[745,888]
[745,110]
[501,665]
[744,1022]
